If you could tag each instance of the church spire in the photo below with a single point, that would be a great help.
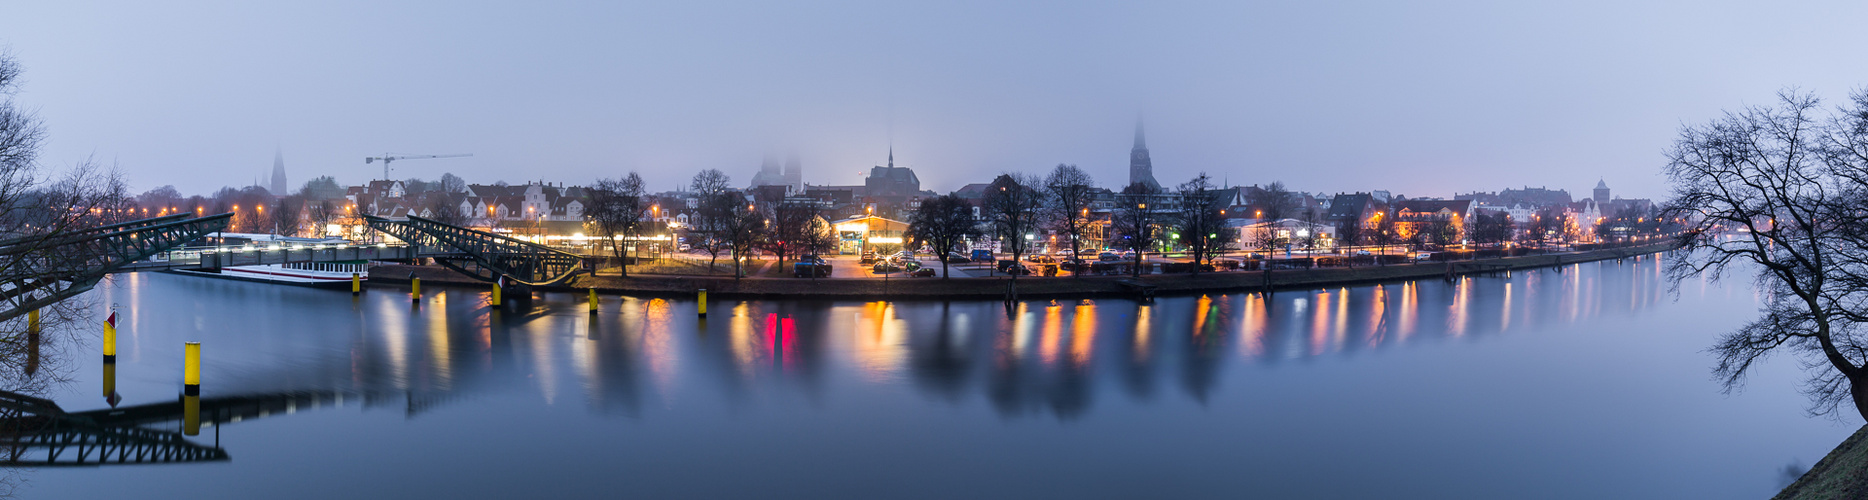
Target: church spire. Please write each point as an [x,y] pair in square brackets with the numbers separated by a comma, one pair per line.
[891,156]
[1140,142]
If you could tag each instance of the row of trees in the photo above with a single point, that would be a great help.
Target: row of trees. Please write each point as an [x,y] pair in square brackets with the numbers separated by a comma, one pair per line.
[722,222]
[1015,208]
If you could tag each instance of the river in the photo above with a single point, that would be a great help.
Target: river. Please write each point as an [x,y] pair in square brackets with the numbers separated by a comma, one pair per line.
[1591,382]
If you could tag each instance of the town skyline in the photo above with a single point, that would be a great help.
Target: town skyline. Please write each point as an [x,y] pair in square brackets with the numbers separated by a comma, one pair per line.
[1420,99]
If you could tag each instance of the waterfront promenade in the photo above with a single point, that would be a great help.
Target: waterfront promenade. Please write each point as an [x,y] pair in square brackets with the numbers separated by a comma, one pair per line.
[1033,287]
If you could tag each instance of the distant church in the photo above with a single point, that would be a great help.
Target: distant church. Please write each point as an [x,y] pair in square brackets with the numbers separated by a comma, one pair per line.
[791,177]
[1141,169]
[278,185]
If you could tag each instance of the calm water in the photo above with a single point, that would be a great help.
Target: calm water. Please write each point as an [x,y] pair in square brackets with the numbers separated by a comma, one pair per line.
[1590,383]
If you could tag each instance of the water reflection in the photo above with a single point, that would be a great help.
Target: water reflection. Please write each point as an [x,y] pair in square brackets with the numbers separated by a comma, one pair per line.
[1055,358]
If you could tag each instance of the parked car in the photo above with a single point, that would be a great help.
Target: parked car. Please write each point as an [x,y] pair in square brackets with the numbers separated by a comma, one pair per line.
[910,265]
[904,254]
[1014,268]
[925,272]
[1108,257]
[1041,259]
[868,258]
[1359,253]
[1003,264]
[958,258]
[884,267]
[1420,256]
[810,266]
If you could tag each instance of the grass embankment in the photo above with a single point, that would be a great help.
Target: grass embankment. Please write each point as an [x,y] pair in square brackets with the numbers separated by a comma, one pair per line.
[1028,287]
[1843,474]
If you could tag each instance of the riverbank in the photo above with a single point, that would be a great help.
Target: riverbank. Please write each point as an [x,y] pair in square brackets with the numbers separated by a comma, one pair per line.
[1028,287]
[1841,474]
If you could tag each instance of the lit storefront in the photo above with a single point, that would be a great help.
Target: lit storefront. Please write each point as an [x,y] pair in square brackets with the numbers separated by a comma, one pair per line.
[869,233]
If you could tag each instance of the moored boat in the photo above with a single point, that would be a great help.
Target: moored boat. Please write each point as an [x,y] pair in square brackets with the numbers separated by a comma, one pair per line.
[318,274]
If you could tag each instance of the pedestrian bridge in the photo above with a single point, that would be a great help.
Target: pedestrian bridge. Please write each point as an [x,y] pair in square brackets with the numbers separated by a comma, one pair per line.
[39,270]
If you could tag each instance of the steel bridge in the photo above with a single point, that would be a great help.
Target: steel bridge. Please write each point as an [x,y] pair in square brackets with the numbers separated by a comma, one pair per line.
[482,255]
[40,270]
[35,432]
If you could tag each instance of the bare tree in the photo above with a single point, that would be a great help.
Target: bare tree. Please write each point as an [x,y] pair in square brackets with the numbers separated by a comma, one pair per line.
[451,183]
[1202,220]
[714,212]
[1069,204]
[321,214]
[1011,207]
[1780,190]
[1386,233]
[1136,221]
[710,182]
[1274,202]
[943,222]
[616,213]
[445,208]
[793,229]
[323,187]
[34,209]
[743,230]
[288,216]
[1546,225]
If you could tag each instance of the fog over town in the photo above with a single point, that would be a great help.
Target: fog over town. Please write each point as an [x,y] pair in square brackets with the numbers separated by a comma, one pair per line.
[1426,99]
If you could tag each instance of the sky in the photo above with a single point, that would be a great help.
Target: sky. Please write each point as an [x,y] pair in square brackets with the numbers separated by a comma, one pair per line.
[1418,98]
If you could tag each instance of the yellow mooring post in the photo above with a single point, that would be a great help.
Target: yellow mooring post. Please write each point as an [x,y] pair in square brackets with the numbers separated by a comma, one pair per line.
[356,284]
[415,289]
[191,368]
[32,322]
[703,302]
[496,295]
[191,389]
[593,301]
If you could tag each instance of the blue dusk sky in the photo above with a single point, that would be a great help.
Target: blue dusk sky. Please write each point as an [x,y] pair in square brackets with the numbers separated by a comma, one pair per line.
[1420,98]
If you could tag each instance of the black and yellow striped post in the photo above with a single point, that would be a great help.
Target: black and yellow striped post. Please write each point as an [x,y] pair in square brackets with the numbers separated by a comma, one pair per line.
[191,389]
[593,301]
[703,302]
[356,284]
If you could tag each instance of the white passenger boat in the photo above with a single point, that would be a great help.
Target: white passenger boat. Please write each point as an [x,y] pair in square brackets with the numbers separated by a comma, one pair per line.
[319,274]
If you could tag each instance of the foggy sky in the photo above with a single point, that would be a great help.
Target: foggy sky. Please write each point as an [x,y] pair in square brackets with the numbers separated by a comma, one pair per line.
[1424,99]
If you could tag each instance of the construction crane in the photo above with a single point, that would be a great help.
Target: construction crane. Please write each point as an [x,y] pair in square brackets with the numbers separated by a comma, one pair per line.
[389,157]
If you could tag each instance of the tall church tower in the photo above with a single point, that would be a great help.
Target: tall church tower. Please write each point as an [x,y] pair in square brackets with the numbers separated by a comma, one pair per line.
[794,173]
[1141,169]
[278,173]
[1602,192]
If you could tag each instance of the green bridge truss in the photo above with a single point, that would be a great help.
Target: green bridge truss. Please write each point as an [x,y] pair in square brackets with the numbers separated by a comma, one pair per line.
[39,270]
[480,254]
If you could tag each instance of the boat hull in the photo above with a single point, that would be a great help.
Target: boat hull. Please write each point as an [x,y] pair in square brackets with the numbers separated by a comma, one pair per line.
[277,275]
